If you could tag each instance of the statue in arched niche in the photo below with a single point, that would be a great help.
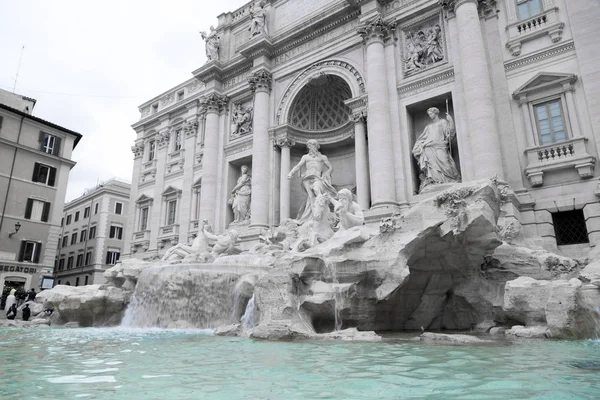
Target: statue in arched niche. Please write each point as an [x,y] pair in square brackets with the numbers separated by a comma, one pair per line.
[432,151]
[240,198]
[316,179]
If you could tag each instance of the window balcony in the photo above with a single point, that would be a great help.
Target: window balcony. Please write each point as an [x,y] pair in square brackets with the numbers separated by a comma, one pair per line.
[169,231]
[175,154]
[149,165]
[141,236]
[570,153]
[546,23]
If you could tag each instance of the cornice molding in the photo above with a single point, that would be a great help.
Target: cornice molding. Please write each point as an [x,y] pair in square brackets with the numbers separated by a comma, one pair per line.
[539,56]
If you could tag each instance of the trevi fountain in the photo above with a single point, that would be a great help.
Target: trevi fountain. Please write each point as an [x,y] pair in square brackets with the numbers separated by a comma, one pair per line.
[444,295]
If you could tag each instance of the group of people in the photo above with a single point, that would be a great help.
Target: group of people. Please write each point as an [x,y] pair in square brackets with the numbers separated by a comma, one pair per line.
[11,305]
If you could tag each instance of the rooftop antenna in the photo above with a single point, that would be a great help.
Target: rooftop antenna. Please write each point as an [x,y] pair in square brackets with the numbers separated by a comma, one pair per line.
[18,68]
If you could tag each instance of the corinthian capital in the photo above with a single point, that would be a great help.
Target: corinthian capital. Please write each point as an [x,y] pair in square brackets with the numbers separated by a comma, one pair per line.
[359,116]
[285,142]
[260,80]
[138,150]
[214,102]
[376,30]
[486,7]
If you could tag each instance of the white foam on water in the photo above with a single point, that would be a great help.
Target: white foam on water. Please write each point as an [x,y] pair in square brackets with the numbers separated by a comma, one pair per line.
[82,379]
[92,362]
[99,371]
[114,362]
[155,376]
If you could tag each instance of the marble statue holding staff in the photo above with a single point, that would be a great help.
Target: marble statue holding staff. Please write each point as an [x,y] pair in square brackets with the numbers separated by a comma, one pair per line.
[212,44]
[240,198]
[316,178]
[432,151]
[258,23]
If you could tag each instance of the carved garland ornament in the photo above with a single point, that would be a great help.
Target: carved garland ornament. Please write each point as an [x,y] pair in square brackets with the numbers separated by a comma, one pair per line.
[310,71]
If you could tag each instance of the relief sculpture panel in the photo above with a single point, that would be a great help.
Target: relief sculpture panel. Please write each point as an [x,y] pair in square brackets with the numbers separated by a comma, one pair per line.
[423,45]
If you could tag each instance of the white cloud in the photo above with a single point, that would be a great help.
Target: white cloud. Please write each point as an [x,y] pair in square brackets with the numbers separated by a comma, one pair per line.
[90,64]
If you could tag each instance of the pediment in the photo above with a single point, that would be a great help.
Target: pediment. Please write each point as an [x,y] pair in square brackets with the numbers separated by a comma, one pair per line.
[144,199]
[171,191]
[544,80]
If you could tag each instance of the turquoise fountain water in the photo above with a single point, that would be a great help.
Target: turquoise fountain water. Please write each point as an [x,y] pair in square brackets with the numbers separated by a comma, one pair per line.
[98,363]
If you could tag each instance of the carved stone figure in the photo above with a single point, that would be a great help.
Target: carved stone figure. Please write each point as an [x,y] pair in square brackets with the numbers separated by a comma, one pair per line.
[348,212]
[316,179]
[199,245]
[318,229]
[212,44]
[258,22]
[240,198]
[432,151]
[225,243]
[241,120]
[423,47]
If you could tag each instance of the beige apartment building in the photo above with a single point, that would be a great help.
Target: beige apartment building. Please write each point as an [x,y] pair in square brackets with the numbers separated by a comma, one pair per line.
[93,233]
[394,91]
[35,161]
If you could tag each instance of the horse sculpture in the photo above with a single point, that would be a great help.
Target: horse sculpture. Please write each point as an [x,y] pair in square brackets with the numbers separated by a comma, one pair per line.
[319,229]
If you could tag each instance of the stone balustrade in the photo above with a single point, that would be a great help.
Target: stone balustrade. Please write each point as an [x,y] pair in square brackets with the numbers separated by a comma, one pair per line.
[169,230]
[149,165]
[543,24]
[570,153]
[175,155]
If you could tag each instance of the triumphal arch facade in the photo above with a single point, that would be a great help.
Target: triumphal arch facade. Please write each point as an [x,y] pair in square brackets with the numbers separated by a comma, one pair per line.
[396,99]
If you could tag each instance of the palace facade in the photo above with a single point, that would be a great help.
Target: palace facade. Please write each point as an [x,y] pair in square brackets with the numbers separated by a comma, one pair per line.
[516,82]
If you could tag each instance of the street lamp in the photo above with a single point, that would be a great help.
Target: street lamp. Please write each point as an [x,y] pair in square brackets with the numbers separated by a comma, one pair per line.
[17,227]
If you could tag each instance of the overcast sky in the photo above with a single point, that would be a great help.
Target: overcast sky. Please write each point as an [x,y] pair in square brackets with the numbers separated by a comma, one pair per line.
[90,64]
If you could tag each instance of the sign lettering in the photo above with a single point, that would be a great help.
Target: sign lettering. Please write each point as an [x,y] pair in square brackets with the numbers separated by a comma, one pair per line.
[17,268]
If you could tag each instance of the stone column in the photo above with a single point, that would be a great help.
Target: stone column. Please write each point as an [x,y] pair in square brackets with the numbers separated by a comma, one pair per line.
[156,220]
[477,87]
[130,228]
[260,84]
[189,133]
[361,160]
[572,111]
[381,158]
[524,107]
[284,183]
[213,104]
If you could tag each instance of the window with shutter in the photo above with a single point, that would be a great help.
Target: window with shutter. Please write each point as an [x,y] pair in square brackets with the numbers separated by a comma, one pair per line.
[28,208]
[74,238]
[92,232]
[44,174]
[46,212]
[68,219]
[37,210]
[70,262]
[30,251]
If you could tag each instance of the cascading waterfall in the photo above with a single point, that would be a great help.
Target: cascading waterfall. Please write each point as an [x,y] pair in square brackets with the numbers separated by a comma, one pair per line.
[249,318]
[183,296]
[339,295]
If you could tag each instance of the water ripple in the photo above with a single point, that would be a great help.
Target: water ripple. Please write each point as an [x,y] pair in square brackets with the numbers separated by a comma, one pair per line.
[70,363]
